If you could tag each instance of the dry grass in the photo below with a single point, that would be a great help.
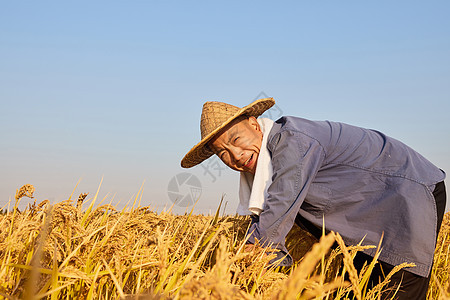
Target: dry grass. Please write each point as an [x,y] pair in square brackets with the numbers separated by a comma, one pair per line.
[64,252]
[440,282]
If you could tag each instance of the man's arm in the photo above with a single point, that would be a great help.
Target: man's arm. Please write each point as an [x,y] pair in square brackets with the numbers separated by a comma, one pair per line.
[296,159]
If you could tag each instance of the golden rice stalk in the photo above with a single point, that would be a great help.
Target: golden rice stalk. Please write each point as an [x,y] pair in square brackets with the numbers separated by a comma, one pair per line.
[189,256]
[25,191]
[378,289]
[348,262]
[80,200]
[440,275]
[114,278]
[216,282]
[298,279]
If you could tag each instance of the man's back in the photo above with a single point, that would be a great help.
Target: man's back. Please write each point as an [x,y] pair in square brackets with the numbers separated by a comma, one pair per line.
[362,182]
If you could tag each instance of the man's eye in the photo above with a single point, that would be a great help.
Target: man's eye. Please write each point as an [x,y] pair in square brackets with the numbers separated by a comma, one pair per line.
[235,139]
[223,156]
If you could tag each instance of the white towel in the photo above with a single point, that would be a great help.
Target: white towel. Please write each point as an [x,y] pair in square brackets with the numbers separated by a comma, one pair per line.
[253,188]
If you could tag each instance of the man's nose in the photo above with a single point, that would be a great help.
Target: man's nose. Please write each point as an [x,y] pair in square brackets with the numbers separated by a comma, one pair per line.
[236,153]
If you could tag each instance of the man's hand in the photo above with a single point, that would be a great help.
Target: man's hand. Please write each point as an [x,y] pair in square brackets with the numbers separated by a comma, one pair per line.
[249,247]
[255,248]
[258,249]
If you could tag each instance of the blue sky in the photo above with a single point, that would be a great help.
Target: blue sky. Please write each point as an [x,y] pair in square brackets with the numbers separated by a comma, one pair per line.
[114,89]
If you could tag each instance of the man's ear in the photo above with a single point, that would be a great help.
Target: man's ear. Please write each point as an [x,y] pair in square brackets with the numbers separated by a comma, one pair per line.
[254,123]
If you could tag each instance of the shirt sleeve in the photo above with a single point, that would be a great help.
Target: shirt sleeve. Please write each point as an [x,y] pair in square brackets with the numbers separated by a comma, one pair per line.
[296,159]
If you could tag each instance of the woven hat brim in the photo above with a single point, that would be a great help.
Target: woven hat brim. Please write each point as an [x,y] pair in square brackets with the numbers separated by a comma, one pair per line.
[200,152]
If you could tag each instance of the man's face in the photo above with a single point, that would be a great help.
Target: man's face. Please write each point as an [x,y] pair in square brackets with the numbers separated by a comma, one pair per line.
[239,144]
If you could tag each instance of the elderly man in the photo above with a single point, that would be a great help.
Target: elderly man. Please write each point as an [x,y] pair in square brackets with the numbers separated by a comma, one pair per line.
[360,182]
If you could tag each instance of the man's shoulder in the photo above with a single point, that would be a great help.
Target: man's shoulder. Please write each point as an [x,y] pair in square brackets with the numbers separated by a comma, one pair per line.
[291,121]
[300,131]
[307,127]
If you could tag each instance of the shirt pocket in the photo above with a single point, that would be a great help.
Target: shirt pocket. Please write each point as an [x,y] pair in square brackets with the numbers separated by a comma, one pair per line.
[318,200]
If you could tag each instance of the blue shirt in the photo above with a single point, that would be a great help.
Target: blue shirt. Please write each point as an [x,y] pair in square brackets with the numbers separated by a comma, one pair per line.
[360,181]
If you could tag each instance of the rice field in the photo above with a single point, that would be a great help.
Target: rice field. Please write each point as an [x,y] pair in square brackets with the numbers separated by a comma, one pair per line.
[94,251]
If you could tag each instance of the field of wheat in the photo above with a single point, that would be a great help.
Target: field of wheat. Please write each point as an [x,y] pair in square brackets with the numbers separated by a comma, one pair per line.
[63,251]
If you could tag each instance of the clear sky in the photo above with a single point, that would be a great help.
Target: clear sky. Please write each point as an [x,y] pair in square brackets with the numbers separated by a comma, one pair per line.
[114,89]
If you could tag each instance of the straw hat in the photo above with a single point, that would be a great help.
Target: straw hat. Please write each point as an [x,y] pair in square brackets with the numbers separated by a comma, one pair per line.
[215,116]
